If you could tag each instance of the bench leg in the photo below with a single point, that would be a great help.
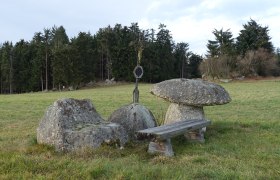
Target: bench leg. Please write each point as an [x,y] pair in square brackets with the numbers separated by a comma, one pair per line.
[161,146]
[196,136]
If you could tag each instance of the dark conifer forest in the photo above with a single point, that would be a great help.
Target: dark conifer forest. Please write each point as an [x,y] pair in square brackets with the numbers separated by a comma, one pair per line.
[52,60]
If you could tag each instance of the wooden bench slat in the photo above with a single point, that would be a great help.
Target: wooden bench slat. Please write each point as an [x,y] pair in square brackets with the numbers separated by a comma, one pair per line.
[179,125]
[181,130]
[183,126]
[174,129]
[169,126]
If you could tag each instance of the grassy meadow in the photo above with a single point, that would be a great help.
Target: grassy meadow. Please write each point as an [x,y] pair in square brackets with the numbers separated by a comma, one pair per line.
[243,141]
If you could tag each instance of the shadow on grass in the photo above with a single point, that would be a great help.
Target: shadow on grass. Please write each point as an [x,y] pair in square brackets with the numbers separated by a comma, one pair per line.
[111,151]
[180,146]
[217,134]
[222,137]
[220,128]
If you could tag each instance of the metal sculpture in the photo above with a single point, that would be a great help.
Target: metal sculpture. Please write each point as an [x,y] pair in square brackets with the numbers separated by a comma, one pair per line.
[138,71]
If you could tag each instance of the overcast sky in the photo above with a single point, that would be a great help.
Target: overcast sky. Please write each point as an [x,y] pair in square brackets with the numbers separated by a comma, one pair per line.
[190,21]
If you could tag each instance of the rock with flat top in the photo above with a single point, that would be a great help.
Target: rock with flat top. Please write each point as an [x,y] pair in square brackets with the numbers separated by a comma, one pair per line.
[71,124]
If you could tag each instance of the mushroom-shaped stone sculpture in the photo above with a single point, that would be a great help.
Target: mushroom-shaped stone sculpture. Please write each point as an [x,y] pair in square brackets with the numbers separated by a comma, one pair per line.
[188,96]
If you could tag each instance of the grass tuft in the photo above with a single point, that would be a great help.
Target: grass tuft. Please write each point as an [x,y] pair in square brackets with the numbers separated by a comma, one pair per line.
[99,172]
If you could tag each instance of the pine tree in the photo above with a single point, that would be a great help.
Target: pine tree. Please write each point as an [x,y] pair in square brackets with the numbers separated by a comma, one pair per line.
[252,37]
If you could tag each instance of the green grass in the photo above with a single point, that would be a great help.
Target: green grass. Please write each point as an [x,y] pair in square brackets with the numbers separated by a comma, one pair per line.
[243,141]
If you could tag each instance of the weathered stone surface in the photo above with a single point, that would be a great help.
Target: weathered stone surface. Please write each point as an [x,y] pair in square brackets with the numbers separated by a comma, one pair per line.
[177,112]
[196,135]
[133,117]
[191,92]
[70,124]
[163,147]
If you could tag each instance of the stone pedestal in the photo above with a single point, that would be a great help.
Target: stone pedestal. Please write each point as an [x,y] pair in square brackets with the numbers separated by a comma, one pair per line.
[162,147]
[196,135]
[177,112]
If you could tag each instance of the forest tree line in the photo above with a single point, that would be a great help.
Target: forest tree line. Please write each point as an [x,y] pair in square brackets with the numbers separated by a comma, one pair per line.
[52,60]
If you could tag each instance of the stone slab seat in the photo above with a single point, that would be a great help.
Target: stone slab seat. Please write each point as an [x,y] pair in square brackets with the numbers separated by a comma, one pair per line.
[160,136]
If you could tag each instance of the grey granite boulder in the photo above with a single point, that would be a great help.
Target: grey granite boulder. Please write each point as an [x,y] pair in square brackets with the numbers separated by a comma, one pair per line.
[188,96]
[71,124]
[133,117]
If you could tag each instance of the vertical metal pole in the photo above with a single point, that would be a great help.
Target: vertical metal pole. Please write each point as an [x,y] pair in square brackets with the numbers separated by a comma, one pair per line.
[136,92]
[183,66]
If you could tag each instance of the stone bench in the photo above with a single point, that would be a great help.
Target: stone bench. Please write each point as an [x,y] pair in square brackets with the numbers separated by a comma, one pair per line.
[160,136]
